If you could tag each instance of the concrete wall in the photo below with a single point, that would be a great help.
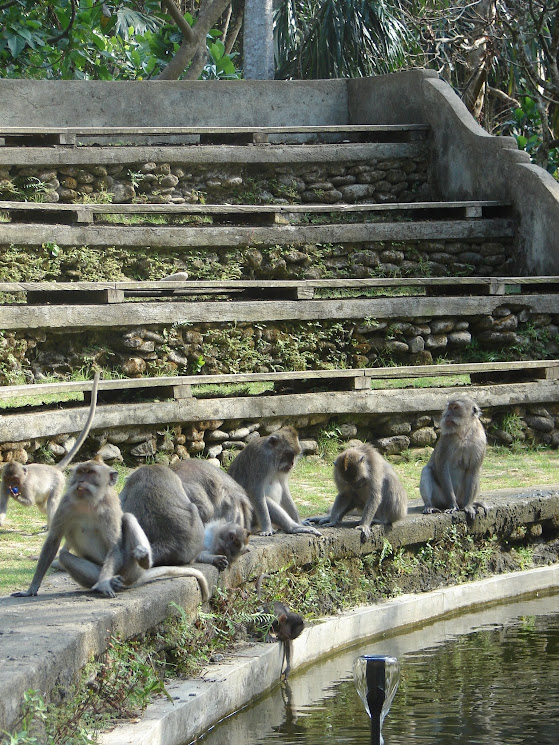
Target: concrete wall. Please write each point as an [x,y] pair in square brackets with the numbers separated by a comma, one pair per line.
[467,162]
[240,103]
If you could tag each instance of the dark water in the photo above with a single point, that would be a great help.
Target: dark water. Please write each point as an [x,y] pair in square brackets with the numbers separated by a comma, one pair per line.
[490,678]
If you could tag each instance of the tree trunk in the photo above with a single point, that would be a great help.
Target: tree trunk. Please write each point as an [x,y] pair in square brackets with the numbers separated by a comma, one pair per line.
[258,40]
[210,12]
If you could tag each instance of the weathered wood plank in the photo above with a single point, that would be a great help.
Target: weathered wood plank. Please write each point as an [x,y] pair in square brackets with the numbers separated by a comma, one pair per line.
[212,236]
[18,427]
[304,128]
[363,376]
[140,314]
[204,286]
[228,209]
[271,154]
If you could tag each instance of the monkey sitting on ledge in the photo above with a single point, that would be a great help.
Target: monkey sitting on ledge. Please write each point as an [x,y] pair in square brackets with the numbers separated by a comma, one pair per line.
[366,482]
[263,469]
[105,549]
[451,479]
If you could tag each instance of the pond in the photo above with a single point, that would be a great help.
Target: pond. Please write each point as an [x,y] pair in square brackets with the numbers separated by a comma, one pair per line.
[486,678]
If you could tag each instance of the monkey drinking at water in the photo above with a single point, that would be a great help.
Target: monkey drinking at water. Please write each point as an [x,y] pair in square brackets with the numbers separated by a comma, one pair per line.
[366,482]
[105,549]
[40,484]
[285,626]
[263,469]
[451,479]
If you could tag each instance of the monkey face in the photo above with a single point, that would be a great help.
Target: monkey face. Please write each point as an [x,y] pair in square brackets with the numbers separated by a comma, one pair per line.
[285,444]
[92,478]
[458,410]
[13,477]
[352,467]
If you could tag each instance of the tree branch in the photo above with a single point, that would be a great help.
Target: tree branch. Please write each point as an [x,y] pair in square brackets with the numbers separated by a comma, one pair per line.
[209,13]
[55,39]
[179,19]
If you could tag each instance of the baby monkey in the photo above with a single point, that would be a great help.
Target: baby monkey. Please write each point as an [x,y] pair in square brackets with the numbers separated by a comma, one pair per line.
[285,626]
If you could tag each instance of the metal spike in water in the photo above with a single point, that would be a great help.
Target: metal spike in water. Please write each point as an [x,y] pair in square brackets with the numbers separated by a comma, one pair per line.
[376,679]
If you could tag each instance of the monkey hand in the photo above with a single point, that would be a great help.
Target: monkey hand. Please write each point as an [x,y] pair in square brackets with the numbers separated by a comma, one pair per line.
[323,520]
[365,532]
[220,562]
[141,554]
[430,510]
[451,510]
[305,529]
[266,532]
[24,593]
[106,587]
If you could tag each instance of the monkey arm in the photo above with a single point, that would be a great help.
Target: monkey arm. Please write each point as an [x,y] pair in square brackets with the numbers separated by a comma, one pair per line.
[261,507]
[289,505]
[371,505]
[280,518]
[48,552]
[114,561]
[342,505]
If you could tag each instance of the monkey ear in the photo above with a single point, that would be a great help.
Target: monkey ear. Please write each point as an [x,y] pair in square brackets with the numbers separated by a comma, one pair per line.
[282,618]
[273,440]
[113,478]
[476,410]
[24,468]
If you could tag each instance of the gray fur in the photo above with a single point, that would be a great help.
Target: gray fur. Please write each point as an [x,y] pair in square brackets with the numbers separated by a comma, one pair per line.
[451,479]
[263,469]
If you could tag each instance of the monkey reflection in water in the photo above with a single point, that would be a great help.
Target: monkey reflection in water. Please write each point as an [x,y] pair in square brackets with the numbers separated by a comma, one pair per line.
[105,549]
[451,479]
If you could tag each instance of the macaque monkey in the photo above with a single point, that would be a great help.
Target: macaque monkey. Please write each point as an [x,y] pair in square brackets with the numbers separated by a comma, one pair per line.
[450,480]
[285,626]
[105,549]
[263,469]
[155,495]
[40,484]
[223,543]
[366,482]
[214,492]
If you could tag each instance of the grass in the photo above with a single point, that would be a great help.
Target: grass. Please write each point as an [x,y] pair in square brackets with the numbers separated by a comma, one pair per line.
[312,486]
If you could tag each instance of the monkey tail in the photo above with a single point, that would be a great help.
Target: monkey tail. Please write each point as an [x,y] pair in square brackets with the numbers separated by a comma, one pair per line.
[85,431]
[182,571]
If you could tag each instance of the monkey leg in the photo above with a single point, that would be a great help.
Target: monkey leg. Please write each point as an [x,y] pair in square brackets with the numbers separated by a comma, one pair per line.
[84,572]
[135,551]
[433,496]
[279,517]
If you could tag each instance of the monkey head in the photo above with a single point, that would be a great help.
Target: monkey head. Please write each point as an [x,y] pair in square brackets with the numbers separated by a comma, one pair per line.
[351,465]
[13,477]
[288,625]
[89,480]
[286,448]
[458,414]
[233,542]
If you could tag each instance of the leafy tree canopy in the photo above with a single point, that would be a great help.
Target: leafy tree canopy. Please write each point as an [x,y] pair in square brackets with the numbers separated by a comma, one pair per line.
[86,39]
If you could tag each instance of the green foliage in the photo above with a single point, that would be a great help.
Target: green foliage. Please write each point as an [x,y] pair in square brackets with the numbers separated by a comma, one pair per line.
[116,39]
[339,38]
[526,128]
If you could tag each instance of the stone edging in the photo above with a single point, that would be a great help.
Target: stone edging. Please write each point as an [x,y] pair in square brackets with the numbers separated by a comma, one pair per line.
[224,688]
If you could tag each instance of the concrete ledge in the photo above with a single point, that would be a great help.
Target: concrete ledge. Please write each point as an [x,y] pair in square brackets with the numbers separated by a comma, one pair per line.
[226,687]
[45,641]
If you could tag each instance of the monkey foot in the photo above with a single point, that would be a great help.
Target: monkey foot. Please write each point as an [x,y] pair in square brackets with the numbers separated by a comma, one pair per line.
[306,529]
[430,510]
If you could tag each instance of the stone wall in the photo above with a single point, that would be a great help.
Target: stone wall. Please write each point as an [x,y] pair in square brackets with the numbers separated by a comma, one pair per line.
[510,332]
[376,180]
[222,440]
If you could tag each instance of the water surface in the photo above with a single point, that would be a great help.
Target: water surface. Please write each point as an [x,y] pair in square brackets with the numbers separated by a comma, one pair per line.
[490,678]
